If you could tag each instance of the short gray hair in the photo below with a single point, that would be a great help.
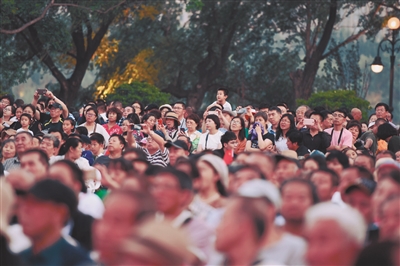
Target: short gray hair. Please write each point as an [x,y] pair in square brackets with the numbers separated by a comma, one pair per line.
[349,220]
[56,142]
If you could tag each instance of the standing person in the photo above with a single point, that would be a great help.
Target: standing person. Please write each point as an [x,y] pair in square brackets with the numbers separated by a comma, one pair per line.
[113,115]
[43,213]
[357,114]
[238,127]
[259,138]
[222,95]
[192,123]
[170,130]
[300,115]
[327,119]
[286,124]
[92,125]
[211,139]
[179,108]
[382,110]
[274,116]
[341,137]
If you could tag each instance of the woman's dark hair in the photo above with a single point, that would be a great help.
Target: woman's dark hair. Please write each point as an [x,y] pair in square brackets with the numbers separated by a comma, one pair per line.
[215,119]
[355,123]
[242,132]
[4,144]
[114,110]
[195,118]
[96,113]
[141,107]
[30,106]
[340,157]
[71,142]
[147,116]
[369,117]
[320,160]
[176,122]
[279,132]
[385,131]
[228,136]
[12,110]
[133,118]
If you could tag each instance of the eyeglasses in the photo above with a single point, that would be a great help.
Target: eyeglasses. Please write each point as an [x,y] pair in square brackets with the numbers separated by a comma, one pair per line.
[7,109]
[90,115]
[337,115]
[235,122]
[177,108]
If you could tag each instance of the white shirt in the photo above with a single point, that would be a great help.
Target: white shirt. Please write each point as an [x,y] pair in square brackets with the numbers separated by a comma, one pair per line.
[211,142]
[227,106]
[281,145]
[91,204]
[101,130]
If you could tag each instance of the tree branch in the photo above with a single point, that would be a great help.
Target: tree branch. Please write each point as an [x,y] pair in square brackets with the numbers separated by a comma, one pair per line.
[71,55]
[348,40]
[89,9]
[30,22]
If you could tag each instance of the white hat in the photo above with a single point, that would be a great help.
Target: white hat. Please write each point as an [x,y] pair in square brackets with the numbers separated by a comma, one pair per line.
[219,165]
[371,124]
[258,188]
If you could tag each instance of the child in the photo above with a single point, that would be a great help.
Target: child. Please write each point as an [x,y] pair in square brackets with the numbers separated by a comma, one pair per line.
[25,120]
[68,126]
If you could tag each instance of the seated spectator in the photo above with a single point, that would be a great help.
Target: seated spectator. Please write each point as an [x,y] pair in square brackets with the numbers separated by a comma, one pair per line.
[113,115]
[210,140]
[285,125]
[229,144]
[259,138]
[326,181]
[177,149]
[295,143]
[286,168]
[239,128]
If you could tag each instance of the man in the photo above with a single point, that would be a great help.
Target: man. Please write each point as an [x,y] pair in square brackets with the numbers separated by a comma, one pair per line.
[23,142]
[50,145]
[36,162]
[60,135]
[366,161]
[297,196]
[342,230]
[327,121]
[116,144]
[326,181]
[97,145]
[295,143]
[241,175]
[278,247]
[314,138]
[286,168]
[179,109]
[265,163]
[341,137]
[357,114]
[172,191]
[300,115]
[43,214]
[222,95]
[359,196]
[382,110]
[124,211]
[274,116]
[369,137]
[55,121]
[229,144]
[176,149]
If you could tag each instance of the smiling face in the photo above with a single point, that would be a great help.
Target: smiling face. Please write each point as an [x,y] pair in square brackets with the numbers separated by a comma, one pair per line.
[8,150]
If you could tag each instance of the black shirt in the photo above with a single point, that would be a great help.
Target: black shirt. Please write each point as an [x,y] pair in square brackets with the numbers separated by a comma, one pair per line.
[320,141]
[302,150]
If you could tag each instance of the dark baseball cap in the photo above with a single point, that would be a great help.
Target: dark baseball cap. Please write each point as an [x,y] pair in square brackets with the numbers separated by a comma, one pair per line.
[56,192]
[56,105]
[180,144]
[366,185]
[151,106]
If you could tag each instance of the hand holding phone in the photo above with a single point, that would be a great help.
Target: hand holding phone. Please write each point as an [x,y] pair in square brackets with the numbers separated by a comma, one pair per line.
[41,91]
[308,122]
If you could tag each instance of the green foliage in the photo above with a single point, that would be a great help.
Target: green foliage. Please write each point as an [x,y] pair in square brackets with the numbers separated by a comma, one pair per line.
[334,99]
[139,91]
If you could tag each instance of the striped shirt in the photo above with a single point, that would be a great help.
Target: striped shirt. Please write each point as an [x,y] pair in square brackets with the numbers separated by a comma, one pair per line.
[158,158]
[11,164]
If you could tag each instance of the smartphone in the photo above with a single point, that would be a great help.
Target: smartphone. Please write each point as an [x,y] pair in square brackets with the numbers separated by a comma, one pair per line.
[136,127]
[41,91]
[160,121]
[182,130]
[308,122]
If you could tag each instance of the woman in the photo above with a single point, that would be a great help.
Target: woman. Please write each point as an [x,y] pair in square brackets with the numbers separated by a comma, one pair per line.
[372,118]
[8,115]
[164,109]
[211,185]
[192,124]
[355,128]
[351,154]
[150,120]
[138,108]
[170,130]
[237,126]
[92,125]
[82,118]
[314,163]
[285,125]
[113,115]
[259,139]
[389,134]
[211,140]
[7,150]
[18,112]
[68,126]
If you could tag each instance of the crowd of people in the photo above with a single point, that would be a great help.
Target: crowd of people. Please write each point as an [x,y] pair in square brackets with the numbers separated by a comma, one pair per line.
[167,185]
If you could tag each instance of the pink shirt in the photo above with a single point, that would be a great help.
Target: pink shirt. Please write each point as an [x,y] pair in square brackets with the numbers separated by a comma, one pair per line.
[345,140]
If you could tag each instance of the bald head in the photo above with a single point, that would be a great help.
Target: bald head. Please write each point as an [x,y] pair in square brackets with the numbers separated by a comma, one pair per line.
[356,113]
